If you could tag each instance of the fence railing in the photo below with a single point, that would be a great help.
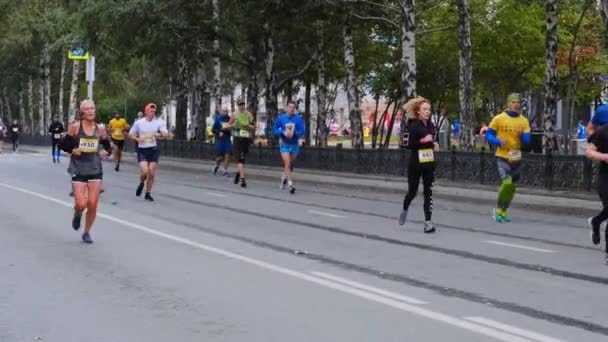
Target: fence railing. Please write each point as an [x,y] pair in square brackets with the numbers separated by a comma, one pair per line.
[560,172]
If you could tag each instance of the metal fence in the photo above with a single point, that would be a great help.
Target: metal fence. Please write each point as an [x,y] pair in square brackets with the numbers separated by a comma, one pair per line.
[561,172]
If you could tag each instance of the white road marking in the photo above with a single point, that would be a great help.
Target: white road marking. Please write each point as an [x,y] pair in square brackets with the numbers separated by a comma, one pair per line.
[514,330]
[325,214]
[215,194]
[412,309]
[369,288]
[535,249]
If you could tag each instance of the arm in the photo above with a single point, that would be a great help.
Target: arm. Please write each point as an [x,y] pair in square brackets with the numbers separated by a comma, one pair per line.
[593,154]
[164,132]
[69,143]
[104,141]
[526,137]
[216,126]
[134,132]
[414,136]
[300,128]
[491,133]
[278,127]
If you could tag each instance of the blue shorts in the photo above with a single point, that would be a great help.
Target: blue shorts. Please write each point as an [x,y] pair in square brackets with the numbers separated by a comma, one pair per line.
[291,149]
[223,147]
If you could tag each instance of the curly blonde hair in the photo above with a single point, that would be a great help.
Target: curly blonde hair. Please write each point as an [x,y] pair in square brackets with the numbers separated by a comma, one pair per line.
[412,107]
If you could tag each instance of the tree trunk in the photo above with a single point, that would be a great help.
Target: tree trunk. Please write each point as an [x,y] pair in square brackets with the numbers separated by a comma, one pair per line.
[352,91]
[73,106]
[391,125]
[203,104]
[467,134]
[321,92]
[48,109]
[30,104]
[408,55]
[307,113]
[550,110]
[375,123]
[21,110]
[217,85]
[41,99]
[270,92]
[7,106]
[253,91]
[62,90]
[181,110]
[604,13]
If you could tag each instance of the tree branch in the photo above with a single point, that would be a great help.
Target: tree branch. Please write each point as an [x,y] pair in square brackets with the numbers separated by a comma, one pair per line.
[299,73]
[392,8]
[445,28]
[376,18]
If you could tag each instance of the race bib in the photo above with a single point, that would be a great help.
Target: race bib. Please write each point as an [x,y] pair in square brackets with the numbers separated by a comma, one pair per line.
[426,156]
[118,132]
[225,125]
[515,155]
[289,126]
[15,129]
[57,136]
[149,138]
[244,133]
[88,145]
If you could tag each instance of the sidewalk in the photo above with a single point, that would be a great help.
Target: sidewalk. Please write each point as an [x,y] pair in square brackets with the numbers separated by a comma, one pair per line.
[579,203]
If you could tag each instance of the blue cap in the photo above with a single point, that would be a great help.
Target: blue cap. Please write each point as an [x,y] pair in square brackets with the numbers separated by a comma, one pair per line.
[601,115]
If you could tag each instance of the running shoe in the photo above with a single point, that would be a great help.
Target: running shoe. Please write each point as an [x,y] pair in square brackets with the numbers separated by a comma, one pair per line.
[215,169]
[496,216]
[140,189]
[149,197]
[117,168]
[505,217]
[429,228]
[292,189]
[76,219]
[595,231]
[283,183]
[225,174]
[243,183]
[71,194]
[86,238]
[402,217]
[237,177]
[54,161]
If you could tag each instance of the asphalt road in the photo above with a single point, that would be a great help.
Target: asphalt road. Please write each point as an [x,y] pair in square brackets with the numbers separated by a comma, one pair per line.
[209,261]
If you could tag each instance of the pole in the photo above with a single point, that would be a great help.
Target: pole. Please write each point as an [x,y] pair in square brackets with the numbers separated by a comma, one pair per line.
[90,76]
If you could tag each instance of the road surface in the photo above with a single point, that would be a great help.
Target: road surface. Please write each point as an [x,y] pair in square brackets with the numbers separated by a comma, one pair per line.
[209,261]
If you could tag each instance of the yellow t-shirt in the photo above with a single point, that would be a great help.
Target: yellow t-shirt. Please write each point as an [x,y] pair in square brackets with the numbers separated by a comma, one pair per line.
[117,128]
[507,129]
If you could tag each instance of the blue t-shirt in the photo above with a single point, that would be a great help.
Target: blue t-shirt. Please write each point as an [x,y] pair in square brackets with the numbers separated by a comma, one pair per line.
[220,121]
[283,121]
[582,132]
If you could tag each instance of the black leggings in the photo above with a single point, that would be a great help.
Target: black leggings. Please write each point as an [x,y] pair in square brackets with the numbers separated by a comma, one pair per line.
[15,141]
[603,215]
[413,180]
[55,144]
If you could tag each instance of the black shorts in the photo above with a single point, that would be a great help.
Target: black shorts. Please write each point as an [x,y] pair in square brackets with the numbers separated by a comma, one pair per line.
[241,146]
[86,179]
[119,143]
[149,154]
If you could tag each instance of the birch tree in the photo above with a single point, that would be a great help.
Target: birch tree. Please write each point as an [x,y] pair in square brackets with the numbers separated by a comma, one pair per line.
[354,112]
[551,86]
[467,134]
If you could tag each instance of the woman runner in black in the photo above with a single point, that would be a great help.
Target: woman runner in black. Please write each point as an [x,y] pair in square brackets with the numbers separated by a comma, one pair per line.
[85,140]
[422,158]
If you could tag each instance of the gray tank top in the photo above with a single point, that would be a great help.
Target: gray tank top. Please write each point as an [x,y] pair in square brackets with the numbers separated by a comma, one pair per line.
[88,163]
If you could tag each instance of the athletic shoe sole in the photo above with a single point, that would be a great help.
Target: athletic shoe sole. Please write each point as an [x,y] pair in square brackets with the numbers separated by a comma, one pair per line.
[140,189]
[402,217]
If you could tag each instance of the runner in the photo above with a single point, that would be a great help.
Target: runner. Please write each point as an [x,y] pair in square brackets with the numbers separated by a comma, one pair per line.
[56,130]
[146,131]
[289,127]
[422,159]
[597,149]
[85,141]
[223,146]
[508,131]
[244,128]
[118,126]
[15,132]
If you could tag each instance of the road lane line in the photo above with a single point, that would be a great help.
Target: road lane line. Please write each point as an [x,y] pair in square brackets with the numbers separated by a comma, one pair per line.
[326,214]
[535,249]
[369,288]
[215,194]
[513,330]
[450,320]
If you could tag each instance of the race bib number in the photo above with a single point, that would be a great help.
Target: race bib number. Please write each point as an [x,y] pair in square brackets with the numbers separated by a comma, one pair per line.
[426,156]
[88,145]
[57,136]
[15,129]
[118,132]
[225,125]
[289,126]
[244,133]
[515,155]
